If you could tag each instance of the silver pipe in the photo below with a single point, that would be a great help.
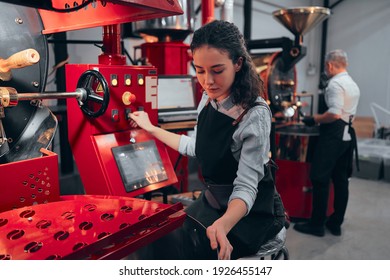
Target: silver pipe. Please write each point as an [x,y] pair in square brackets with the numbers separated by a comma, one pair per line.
[227,10]
[51,95]
[80,94]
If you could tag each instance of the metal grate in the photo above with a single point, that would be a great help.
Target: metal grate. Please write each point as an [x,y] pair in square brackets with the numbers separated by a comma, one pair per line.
[85,227]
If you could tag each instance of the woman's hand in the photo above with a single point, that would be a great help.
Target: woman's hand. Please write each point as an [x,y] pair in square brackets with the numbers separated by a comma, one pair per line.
[218,231]
[141,119]
[217,235]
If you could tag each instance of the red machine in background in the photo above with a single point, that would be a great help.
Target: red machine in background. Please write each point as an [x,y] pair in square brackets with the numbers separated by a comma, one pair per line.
[116,163]
[294,142]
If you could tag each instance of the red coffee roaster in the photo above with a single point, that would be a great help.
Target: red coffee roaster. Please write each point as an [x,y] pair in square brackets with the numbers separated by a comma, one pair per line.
[116,163]
[294,142]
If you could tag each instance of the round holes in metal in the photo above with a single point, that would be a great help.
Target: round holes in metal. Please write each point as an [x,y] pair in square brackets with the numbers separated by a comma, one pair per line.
[85,225]
[126,209]
[124,225]
[106,217]
[141,217]
[15,234]
[33,247]
[103,234]
[27,214]
[42,224]
[61,235]
[79,245]
[3,222]
[54,257]
[5,257]
[90,207]
[68,215]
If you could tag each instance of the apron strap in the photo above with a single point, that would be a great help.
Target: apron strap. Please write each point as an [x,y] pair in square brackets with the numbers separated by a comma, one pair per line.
[236,121]
[352,132]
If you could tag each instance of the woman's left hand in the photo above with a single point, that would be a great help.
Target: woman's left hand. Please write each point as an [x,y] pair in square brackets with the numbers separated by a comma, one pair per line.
[218,240]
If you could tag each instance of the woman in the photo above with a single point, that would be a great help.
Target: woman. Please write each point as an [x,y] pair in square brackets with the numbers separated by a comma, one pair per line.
[240,209]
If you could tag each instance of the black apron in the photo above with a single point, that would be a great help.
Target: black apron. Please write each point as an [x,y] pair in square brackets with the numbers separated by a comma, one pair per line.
[333,133]
[353,148]
[219,167]
[332,161]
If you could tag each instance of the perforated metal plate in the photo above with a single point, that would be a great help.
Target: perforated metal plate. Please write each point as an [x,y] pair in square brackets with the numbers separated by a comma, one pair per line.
[85,227]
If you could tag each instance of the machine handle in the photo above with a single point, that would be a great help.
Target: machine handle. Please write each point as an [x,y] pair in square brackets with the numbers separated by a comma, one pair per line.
[18,60]
[88,81]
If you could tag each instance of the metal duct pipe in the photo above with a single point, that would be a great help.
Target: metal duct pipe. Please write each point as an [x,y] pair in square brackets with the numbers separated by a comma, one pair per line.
[207,11]
[227,10]
[247,19]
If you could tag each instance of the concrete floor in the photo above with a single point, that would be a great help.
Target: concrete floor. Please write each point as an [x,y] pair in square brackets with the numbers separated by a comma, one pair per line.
[365,230]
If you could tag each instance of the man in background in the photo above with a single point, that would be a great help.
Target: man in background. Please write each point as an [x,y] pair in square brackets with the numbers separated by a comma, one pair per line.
[333,155]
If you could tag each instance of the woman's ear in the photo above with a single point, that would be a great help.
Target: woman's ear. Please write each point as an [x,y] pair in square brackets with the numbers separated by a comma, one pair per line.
[239,64]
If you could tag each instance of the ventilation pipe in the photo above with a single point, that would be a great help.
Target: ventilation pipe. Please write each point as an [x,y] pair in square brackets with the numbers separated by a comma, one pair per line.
[207,11]
[227,10]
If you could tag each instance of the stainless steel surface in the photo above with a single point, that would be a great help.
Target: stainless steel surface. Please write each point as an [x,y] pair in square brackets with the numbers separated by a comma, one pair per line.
[174,28]
[4,147]
[38,133]
[298,130]
[227,10]
[301,20]
[21,28]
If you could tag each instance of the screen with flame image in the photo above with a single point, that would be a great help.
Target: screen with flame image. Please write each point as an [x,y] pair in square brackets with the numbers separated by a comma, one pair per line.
[139,164]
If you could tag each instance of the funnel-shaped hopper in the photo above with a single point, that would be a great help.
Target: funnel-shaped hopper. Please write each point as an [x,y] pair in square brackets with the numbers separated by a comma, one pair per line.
[301,20]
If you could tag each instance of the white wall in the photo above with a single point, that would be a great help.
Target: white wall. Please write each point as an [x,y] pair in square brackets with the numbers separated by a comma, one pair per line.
[360,27]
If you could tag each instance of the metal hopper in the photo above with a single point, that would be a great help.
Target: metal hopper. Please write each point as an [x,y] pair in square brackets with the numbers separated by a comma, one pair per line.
[301,20]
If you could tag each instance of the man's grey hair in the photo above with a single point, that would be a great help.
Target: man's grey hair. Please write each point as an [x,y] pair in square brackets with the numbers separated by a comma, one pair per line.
[338,56]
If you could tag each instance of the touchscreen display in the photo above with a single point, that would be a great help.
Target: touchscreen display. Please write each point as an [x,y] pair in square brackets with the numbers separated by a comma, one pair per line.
[139,164]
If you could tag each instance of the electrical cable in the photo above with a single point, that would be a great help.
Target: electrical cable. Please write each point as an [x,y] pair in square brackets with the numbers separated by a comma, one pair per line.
[73,9]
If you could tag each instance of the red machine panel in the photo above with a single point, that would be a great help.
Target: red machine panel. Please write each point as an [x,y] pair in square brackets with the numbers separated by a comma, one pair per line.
[100,13]
[131,88]
[85,227]
[29,182]
[111,157]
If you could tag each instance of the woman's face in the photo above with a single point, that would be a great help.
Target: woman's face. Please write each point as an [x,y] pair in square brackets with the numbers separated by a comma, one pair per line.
[215,71]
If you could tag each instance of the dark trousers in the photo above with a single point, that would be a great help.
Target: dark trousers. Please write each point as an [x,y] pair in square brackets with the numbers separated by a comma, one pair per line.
[330,162]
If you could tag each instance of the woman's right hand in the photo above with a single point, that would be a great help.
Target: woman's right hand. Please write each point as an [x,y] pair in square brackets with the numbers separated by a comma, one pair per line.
[141,119]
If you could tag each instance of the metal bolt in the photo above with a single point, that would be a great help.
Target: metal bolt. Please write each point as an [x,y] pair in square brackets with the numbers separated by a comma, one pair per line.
[18,20]
[35,84]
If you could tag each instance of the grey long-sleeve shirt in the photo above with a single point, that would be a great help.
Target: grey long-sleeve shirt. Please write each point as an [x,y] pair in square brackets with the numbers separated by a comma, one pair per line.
[250,145]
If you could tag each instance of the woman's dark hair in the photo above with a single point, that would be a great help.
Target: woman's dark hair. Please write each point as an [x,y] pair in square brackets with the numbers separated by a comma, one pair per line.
[225,36]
